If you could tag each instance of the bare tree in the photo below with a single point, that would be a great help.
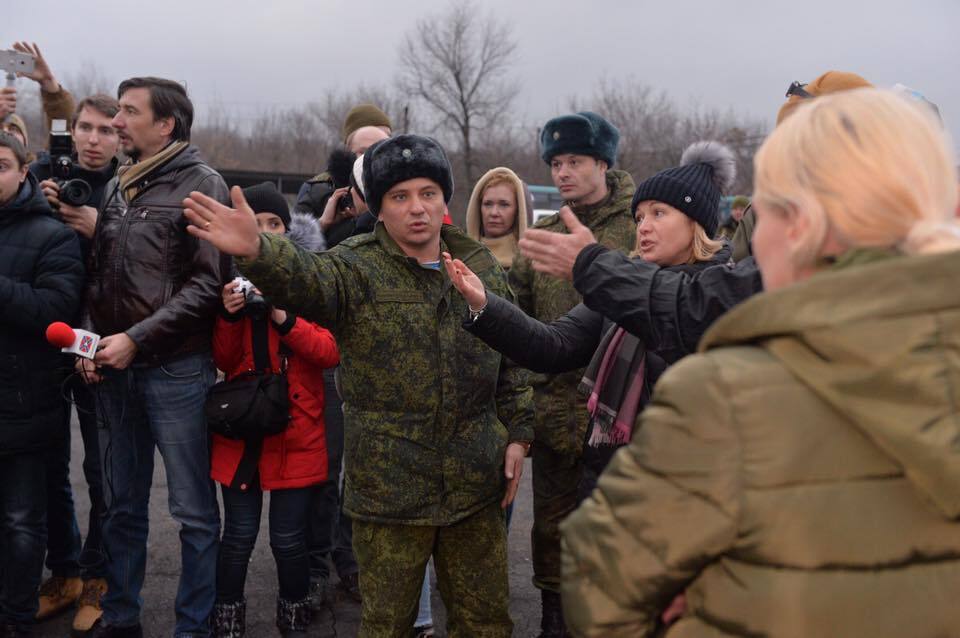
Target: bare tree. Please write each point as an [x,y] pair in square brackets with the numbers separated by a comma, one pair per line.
[654,131]
[455,63]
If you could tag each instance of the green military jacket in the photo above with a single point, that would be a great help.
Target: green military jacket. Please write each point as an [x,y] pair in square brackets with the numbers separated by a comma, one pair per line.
[561,411]
[799,477]
[428,409]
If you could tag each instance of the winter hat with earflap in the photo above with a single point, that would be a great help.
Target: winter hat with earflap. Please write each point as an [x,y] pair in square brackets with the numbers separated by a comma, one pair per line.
[584,133]
[707,170]
[400,158]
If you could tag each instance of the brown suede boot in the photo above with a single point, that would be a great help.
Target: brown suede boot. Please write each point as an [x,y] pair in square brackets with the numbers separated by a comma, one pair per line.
[57,594]
[88,606]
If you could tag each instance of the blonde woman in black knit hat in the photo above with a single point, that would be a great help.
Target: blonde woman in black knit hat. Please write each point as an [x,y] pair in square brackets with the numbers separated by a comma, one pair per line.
[677,212]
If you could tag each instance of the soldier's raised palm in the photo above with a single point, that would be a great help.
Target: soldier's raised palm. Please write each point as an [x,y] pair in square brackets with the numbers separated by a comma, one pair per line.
[466,282]
[233,231]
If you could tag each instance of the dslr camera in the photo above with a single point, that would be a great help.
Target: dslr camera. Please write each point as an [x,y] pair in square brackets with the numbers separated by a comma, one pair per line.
[255,305]
[74,192]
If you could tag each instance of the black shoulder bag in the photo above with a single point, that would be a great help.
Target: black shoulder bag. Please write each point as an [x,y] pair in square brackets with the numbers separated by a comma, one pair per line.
[253,404]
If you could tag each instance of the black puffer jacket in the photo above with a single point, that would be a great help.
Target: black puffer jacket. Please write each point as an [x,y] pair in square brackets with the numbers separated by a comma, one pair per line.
[41,280]
[149,277]
[668,308]
[570,342]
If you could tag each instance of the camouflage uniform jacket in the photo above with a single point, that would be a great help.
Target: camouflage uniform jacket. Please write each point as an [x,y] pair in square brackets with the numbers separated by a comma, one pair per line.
[561,420]
[428,409]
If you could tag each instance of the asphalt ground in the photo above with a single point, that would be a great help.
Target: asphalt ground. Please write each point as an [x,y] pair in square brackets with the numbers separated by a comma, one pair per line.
[339,620]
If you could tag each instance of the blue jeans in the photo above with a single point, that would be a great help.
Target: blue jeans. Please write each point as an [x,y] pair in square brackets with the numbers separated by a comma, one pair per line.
[288,540]
[138,408]
[23,536]
[425,607]
[66,556]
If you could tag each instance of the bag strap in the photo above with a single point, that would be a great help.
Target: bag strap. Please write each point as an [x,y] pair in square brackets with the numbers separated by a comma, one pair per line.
[249,462]
[259,332]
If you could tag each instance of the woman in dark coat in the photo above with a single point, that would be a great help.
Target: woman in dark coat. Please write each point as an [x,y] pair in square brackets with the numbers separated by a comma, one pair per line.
[677,213]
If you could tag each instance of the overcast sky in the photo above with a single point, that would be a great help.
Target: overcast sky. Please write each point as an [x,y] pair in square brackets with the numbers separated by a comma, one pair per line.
[725,54]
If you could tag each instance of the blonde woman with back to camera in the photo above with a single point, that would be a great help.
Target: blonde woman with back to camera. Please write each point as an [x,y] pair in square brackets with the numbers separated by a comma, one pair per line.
[800,476]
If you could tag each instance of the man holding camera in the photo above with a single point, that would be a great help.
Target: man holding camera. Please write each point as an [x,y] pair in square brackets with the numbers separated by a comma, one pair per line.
[74,183]
[153,294]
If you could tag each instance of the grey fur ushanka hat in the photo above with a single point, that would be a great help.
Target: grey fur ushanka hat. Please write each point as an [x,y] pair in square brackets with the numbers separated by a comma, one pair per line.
[707,170]
[584,133]
[400,158]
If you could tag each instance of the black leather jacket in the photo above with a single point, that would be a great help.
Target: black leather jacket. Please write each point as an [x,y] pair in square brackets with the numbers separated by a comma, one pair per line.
[150,278]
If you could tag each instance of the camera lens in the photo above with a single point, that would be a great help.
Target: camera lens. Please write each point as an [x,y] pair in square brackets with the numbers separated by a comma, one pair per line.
[75,192]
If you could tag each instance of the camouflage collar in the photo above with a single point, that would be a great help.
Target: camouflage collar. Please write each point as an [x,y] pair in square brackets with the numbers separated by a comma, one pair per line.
[620,188]
[452,240]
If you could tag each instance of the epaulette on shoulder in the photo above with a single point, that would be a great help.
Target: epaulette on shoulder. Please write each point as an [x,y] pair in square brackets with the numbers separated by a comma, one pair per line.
[545,222]
[358,240]
[322,177]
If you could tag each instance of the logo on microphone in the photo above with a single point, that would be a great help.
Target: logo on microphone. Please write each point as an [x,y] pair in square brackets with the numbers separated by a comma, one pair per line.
[86,344]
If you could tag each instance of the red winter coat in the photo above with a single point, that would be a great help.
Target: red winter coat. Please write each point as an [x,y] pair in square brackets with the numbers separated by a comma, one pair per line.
[297,457]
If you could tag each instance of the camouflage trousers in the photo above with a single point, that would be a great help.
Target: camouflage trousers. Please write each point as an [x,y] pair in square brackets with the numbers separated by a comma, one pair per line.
[556,485]
[470,558]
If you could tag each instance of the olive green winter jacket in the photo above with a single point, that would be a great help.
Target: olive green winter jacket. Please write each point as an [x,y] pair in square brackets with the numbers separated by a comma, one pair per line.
[561,411]
[799,477]
[428,409]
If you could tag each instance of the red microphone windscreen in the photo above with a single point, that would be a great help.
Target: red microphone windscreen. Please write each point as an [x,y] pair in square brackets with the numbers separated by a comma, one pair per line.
[60,334]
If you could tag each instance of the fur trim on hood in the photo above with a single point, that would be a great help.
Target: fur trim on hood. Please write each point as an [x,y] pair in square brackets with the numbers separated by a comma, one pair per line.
[475,219]
[305,232]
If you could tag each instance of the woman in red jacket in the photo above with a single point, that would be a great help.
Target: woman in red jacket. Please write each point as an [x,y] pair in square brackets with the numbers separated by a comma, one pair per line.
[290,462]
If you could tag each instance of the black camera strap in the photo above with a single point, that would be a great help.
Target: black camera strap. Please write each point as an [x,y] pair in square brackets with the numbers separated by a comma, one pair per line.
[252,447]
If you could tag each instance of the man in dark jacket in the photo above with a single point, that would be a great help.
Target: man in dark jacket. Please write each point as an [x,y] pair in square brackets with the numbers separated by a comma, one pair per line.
[153,294]
[78,571]
[41,277]
[364,126]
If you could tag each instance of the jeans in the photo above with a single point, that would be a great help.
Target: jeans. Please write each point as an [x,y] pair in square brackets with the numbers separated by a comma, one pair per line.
[162,406]
[65,554]
[330,532]
[425,609]
[241,523]
[23,536]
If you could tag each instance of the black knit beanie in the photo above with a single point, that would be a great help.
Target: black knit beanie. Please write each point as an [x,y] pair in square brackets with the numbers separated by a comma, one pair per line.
[706,171]
[400,158]
[265,198]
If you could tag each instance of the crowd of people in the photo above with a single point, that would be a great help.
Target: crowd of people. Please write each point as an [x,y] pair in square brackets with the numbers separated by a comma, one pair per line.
[737,427]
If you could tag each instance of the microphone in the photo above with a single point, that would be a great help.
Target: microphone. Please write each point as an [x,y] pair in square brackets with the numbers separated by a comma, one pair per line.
[78,342]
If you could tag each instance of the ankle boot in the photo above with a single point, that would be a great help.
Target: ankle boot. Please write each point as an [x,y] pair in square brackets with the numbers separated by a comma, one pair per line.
[229,619]
[551,618]
[293,617]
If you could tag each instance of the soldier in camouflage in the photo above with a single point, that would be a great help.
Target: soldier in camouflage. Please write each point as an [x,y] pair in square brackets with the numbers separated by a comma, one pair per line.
[581,149]
[437,424]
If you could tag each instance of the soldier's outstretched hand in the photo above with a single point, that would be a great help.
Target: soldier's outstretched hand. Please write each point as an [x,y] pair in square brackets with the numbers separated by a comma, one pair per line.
[233,231]
[466,282]
[555,253]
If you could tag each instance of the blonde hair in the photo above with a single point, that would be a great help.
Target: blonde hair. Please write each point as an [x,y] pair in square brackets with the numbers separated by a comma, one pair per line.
[498,180]
[702,248]
[866,164]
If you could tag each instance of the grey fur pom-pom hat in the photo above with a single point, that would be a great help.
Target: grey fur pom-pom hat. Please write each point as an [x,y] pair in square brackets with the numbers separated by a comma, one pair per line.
[400,158]
[707,170]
